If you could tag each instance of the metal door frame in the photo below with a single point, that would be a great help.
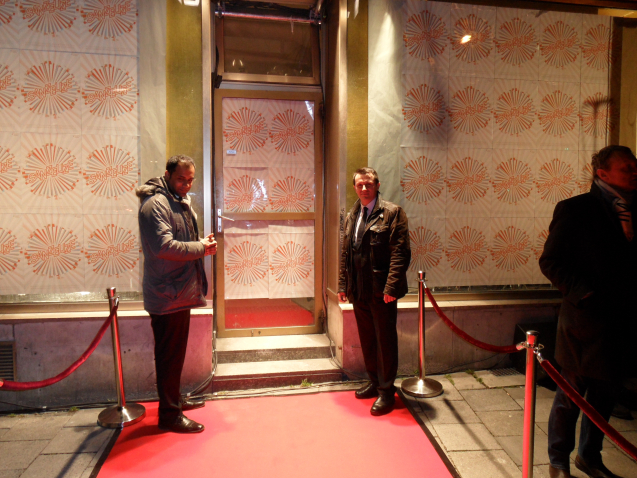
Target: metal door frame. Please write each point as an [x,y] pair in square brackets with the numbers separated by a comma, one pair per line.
[317,215]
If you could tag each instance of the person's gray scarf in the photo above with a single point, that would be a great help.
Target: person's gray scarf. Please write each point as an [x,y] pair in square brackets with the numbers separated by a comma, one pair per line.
[621,205]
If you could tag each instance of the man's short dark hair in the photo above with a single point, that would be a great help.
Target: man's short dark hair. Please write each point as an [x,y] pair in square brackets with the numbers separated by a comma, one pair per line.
[365,172]
[176,160]
[601,159]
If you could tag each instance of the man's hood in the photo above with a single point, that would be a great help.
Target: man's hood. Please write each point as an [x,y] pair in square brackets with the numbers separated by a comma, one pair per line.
[152,187]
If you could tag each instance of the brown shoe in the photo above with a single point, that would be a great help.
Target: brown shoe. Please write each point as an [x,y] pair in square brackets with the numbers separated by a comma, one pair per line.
[558,473]
[594,471]
[383,405]
[181,424]
[367,391]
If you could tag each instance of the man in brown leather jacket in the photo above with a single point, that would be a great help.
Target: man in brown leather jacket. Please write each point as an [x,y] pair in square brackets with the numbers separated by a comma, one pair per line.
[373,275]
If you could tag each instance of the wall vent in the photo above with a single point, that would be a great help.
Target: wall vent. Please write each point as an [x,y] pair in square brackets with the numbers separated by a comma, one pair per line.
[7,361]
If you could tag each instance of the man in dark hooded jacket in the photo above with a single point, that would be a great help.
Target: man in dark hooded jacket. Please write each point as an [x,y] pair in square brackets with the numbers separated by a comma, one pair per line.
[174,281]
[590,255]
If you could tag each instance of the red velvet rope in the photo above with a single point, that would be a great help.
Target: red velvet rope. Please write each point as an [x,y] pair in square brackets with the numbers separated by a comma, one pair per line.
[586,407]
[21,386]
[463,335]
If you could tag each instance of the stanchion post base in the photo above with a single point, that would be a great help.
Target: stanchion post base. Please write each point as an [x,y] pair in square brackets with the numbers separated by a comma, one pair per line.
[120,417]
[425,388]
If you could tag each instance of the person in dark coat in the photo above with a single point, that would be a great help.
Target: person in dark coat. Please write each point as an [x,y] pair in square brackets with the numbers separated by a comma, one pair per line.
[590,255]
[174,281]
[375,256]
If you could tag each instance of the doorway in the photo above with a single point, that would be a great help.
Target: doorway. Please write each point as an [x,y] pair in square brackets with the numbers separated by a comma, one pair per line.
[268,212]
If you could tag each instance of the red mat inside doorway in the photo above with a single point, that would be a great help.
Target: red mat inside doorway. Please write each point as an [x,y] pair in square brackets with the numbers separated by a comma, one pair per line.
[314,435]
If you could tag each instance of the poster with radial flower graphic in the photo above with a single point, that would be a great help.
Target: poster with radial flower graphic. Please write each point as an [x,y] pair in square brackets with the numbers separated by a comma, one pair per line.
[109,26]
[110,174]
[469,110]
[291,133]
[471,39]
[291,190]
[467,251]
[468,183]
[600,46]
[10,103]
[246,266]
[422,182]
[558,107]
[50,92]
[516,44]
[540,233]
[515,123]
[292,267]
[512,183]
[585,172]
[424,115]
[12,190]
[425,36]
[53,252]
[9,19]
[110,94]
[560,37]
[12,262]
[511,250]
[598,115]
[51,172]
[112,252]
[245,189]
[245,132]
[50,25]
[427,239]
[555,179]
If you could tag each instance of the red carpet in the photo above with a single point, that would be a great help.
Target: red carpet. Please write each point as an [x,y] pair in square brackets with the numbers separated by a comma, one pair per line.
[261,313]
[327,435]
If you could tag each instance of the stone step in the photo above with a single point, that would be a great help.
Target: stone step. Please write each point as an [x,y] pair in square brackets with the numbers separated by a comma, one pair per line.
[262,349]
[274,373]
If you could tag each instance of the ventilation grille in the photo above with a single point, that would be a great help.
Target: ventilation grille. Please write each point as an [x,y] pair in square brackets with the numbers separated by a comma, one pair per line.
[503,372]
[7,362]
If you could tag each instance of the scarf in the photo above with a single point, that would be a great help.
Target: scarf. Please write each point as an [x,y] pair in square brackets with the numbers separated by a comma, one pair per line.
[620,205]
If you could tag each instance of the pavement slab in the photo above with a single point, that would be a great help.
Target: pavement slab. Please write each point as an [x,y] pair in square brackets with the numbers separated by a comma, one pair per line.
[36,427]
[447,411]
[84,418]
[503,422]
[517,393]
[466,437]
[79,440]
[8,421]
[19,454]
[63,465]
[465,381]
[489,400]
[482,464]
[623,425]
[542,408]
[10,473]
[512,445]
[497,381]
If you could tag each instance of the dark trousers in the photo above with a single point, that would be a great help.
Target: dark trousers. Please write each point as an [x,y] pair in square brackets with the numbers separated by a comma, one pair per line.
[379,340]
[601,394]
[171,340]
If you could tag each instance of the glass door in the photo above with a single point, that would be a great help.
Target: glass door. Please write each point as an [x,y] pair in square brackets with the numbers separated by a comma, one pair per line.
[268,178]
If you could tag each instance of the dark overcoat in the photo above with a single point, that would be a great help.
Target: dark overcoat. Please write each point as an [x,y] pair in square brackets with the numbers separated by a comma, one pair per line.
[588,258]
[385,250]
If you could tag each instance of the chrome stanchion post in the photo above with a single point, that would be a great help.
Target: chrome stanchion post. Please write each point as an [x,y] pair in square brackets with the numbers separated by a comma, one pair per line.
[528,438]
[420,386]
[120,415]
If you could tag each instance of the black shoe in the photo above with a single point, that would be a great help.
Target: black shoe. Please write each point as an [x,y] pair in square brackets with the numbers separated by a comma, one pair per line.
[192,404]
[383,405]
[597,471]
[181,424]
[620,411]
[368,391]
[558,473]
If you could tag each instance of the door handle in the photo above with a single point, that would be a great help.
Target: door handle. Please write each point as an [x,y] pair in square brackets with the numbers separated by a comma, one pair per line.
[219,220]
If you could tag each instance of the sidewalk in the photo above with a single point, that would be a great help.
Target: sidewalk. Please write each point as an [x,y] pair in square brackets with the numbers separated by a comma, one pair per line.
[477,422]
